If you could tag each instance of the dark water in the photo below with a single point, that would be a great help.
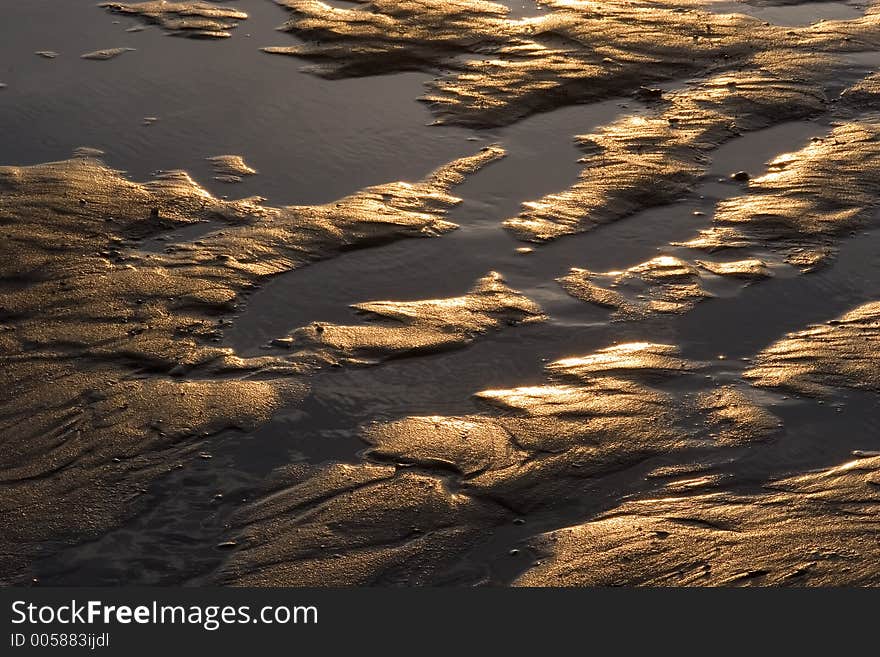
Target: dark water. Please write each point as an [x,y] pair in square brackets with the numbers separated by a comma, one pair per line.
[313,141]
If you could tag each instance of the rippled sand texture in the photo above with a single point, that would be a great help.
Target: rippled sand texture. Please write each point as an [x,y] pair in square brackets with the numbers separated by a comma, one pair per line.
[818,529]
[842,353]
[230,168]
[795,214]
[109,374]
[457,477]
[496,70]
[414,327]
[197,20]
[108,53]
[449,479]
[633,454]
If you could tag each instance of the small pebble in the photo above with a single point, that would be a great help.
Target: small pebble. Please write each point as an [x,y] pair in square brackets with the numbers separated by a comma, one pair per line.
[649,93]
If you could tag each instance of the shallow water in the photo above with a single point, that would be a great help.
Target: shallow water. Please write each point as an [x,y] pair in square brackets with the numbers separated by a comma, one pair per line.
[280,121]
[793,14]
[313,141]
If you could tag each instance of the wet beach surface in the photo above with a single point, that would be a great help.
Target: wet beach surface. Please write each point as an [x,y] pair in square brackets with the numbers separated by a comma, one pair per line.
[259,502]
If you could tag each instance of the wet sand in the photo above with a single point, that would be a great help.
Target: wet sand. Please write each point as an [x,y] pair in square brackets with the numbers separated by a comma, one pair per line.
[689,356]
